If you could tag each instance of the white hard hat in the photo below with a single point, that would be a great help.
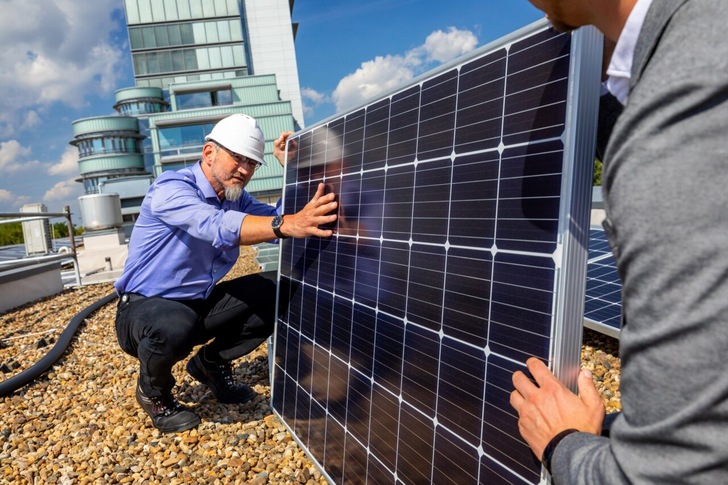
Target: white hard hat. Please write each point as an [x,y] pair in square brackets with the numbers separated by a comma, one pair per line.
[240,134]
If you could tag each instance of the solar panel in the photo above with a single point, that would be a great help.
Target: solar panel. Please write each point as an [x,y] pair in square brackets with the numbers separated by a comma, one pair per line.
[603,297]
[460,251]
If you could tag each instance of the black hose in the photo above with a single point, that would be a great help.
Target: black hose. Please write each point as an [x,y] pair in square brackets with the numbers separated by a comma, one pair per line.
[33,372]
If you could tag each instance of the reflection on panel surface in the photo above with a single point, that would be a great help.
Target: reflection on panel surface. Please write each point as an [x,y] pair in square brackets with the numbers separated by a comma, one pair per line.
[397,337]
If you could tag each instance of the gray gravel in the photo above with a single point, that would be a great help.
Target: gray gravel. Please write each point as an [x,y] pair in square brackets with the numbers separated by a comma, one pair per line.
[79,423]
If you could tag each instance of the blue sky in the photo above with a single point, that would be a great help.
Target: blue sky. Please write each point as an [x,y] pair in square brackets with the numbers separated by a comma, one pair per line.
[62,60]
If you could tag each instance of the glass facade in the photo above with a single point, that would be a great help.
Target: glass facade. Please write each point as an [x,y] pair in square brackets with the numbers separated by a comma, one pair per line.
[201,49]
[140,108]
[164,81]
[148,11]
[186,34]
[178,165]
[147,148]
[189,60]
[107,144]
[204,99]
[90,186]
[183,139]
[91,182]
[180,41]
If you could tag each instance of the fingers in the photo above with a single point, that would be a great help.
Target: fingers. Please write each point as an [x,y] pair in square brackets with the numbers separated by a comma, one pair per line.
[539,371]
[319,211]
[322,201]
[281,140]
[327,202]
[516,400]
[522,384]
[320,190]
[592,401]
[547,406]
[587,391]
[279,147]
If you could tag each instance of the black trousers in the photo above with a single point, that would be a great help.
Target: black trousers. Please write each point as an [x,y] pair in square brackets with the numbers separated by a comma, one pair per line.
[238,316]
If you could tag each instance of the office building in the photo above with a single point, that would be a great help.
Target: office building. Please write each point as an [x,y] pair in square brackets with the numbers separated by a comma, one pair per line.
[195,62]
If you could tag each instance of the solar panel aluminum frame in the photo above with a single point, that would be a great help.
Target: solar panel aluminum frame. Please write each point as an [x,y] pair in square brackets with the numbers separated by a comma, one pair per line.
[569,257]
[579,149]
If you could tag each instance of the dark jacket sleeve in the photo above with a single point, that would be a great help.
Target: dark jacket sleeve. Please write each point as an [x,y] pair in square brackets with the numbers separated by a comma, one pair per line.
[609,110]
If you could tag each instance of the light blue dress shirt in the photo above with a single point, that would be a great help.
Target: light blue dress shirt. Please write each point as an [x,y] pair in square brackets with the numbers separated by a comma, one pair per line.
[185,239]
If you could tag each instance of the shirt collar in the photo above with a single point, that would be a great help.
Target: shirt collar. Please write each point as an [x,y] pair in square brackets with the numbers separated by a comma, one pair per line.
[202,181]
[620,66]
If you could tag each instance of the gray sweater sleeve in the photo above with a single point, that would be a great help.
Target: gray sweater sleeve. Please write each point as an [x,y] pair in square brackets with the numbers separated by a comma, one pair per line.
[594,457]
[666,195]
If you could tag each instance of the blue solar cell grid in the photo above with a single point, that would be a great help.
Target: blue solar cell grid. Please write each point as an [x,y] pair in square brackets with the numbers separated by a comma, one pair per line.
[603,296]
[397,338]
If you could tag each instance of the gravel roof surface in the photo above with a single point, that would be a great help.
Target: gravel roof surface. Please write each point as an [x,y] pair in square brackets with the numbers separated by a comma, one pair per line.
[79,422]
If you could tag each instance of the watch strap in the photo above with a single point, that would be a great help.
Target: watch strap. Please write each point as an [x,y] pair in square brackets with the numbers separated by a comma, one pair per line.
[548,452]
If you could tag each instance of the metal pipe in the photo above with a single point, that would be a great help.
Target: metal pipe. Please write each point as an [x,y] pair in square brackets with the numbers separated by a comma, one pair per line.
[35,259]
[45,215]
[71,233]
[71,237]
[20,217]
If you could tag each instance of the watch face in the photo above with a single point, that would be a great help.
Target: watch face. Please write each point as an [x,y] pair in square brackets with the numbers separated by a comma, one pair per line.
[277,222]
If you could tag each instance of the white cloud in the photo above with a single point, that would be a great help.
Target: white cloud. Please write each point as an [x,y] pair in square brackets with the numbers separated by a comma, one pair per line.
[314,96]
[68,164]
[385,73]
[32,119]
[14,158]
[54,51]
[6,196]
[64,190]
[372,78]
[312,99]
[10,202]
[444,46]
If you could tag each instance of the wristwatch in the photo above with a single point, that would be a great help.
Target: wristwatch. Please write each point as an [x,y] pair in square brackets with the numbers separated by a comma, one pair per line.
[276,223]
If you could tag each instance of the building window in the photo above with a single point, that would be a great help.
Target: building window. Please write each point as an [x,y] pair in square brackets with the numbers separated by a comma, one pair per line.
[90,186]
[180,137]
[204,99]
[185,34]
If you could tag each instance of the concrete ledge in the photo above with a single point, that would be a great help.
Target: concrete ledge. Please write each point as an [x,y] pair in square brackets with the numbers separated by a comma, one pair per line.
[19,286]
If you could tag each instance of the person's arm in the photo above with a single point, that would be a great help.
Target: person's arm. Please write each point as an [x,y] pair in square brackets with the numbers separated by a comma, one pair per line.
[665,189]
[304,223]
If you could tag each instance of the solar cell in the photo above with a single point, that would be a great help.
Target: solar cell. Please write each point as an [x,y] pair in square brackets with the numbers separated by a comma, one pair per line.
[460,251]
[603,296]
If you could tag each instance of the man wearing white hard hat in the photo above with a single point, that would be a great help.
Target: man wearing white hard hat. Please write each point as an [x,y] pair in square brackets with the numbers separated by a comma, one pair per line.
[185,240]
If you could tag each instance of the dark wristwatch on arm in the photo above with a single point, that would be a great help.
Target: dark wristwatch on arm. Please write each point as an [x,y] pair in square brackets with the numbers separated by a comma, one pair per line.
[276,223]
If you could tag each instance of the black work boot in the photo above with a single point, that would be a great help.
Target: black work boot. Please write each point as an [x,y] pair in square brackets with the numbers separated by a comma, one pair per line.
[218,376]
[168,415]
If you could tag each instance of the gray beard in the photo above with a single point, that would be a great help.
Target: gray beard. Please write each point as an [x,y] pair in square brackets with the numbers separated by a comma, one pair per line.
[233,193]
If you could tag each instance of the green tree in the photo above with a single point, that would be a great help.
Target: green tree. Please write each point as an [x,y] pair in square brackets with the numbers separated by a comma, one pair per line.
[11,233]
[60,229]
[598,172]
